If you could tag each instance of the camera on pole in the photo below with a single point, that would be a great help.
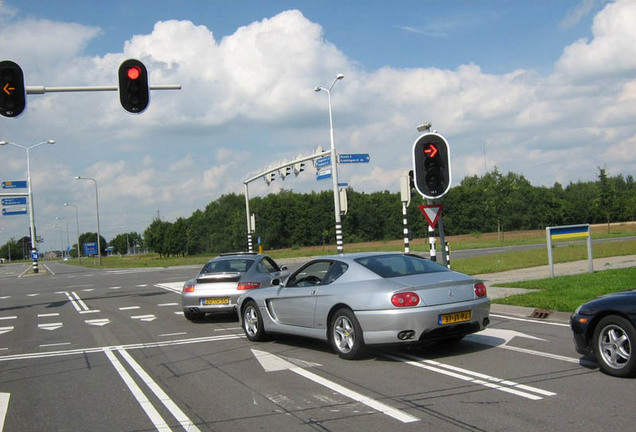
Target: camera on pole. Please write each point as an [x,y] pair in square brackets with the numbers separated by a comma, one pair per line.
[134,93]
[12,89]
[431,165]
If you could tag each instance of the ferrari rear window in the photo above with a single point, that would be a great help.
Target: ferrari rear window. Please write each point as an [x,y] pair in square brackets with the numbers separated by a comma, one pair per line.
[395,265]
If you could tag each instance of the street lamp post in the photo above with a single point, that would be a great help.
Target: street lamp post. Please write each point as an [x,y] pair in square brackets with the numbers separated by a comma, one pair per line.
[334,168]
[34,247]
[67,238]
[77,226]
[99,245]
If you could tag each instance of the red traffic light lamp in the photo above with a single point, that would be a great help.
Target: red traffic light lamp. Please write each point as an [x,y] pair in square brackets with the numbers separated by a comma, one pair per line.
[431,165]
[134,93]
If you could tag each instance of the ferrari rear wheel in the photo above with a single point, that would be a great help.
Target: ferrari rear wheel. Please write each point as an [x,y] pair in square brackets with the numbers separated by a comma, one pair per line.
[345,334]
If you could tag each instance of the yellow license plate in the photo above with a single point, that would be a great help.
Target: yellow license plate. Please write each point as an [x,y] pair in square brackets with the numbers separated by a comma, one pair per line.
[216,301]
[453,318]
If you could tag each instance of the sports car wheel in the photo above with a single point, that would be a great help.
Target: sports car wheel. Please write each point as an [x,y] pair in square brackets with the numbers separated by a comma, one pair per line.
[614,339]
[253,322]
[346,335]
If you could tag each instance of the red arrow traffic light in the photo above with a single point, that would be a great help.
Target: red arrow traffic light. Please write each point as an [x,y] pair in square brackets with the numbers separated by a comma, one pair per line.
[431,151]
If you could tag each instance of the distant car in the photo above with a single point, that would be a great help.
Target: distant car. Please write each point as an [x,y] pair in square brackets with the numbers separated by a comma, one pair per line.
[606,329]
[223,279]
[355,300]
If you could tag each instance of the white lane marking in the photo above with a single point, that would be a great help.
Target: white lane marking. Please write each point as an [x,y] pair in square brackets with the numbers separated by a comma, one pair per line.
[271,362]
[141,286]
[82,351]
[173,334]
[9,317]
[54,344]
[48,315]
[6,329]
[5,297]
[511,318]
[175,287]
[181,417]
[149,317]
[32,295]
[4,407]
[115,288]
[76,301]
[151,412]
[474,377]
[541,354]
[168,304]
[129,308]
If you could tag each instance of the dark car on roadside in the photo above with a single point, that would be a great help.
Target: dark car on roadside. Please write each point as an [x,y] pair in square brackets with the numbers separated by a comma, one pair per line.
[606,329]
[224,278]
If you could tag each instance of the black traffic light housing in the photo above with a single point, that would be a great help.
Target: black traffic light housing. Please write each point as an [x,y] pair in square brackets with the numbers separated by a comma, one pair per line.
[134,93]
[431,165]
[12,89]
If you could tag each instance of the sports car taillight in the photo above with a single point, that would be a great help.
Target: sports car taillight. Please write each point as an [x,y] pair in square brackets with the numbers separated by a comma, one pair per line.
[188,288]
[248,285]
[480,290]
[405,299]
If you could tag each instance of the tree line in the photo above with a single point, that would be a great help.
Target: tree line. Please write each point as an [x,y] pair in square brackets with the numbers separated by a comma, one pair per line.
[493,202]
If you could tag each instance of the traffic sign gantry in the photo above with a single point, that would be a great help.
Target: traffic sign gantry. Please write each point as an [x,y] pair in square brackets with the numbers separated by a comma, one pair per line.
[431,165]
[12,89]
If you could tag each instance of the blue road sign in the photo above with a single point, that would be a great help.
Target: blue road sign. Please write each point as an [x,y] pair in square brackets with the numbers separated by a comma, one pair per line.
[323,174]
[14,211]
[35,256]
[14,201]
[90,248]
[14,184]
[323,161]
[354,158]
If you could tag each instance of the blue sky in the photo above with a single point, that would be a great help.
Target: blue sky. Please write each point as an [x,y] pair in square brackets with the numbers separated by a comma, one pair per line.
[540,85]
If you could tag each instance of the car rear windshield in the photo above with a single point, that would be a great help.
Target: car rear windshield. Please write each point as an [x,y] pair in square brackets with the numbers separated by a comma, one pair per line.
[389,266]
[232,265]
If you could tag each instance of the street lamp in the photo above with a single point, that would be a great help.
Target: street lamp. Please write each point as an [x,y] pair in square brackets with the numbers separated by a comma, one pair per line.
[34,248]
[99,244]
[67,239]
[334,168]
[77,226]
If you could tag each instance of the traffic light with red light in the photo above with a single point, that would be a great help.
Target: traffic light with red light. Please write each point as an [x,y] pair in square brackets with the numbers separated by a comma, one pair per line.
[134,93]
[12,89]
[431,165]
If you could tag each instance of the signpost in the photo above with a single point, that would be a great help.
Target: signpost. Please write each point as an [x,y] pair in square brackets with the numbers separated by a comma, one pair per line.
[568,232]
[14,201]
[354,158]
[15,184]
[14,211]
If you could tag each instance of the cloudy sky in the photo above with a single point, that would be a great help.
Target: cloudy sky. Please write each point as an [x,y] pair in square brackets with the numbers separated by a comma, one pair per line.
[542,88]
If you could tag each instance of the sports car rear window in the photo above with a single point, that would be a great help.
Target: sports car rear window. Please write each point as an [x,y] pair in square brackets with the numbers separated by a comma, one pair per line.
[227,266]
[389,266]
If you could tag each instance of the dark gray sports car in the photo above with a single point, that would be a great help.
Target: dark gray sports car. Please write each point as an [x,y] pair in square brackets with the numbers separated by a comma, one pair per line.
[361,299]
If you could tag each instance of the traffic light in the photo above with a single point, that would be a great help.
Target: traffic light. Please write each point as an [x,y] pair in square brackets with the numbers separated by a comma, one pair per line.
[12,89]
[431,165]
[299,167]
[270,177]
[134,94]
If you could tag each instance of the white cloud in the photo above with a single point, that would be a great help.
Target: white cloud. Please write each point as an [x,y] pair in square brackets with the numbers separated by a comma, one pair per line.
[247,102]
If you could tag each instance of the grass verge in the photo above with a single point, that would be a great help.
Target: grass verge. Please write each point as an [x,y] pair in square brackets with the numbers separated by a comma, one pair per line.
[566,293]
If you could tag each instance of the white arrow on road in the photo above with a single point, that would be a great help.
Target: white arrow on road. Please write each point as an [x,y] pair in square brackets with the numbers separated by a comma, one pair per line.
[50,326]
[4,407]
[500,337]
[271,363]
[98,322]
[5,329]
[144,317]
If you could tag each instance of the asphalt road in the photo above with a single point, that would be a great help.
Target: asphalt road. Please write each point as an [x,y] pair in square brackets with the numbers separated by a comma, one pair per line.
[109,350]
